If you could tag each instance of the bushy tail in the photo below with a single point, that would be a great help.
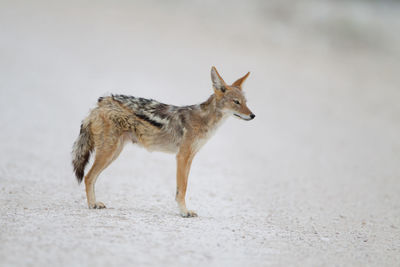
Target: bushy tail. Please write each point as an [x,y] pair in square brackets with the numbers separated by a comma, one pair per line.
[81,151]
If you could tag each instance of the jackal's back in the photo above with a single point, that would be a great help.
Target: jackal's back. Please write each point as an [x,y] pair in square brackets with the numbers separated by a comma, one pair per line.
[155,125]
[156,113]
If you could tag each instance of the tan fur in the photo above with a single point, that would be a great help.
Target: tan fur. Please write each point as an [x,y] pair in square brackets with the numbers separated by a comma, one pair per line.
[155,126]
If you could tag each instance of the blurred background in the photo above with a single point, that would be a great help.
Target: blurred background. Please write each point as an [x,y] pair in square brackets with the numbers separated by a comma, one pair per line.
[314,179]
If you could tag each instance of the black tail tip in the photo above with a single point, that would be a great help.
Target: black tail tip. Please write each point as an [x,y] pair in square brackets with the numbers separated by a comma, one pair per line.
[79,173]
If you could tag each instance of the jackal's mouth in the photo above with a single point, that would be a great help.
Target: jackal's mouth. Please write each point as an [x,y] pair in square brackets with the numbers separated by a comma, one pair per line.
[246,118]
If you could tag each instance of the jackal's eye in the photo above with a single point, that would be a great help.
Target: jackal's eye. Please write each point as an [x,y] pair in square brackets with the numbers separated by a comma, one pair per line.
[236,102]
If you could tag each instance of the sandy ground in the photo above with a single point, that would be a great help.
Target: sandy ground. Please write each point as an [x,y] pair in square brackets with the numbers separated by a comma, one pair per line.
[312,181]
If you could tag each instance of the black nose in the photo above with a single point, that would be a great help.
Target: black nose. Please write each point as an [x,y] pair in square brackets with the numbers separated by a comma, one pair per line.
[252,116]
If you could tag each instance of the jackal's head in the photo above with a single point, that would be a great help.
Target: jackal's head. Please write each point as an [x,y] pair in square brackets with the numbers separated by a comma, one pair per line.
[231,97]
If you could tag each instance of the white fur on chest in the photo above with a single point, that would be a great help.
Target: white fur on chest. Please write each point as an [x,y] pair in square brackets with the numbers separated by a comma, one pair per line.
[201,140]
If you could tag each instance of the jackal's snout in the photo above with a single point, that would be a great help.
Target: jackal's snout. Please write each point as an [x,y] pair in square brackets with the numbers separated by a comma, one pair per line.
[243,112]
[245,117]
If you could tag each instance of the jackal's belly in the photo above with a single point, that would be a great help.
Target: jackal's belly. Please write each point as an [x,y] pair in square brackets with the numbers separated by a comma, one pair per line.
[167,148]
[155,142]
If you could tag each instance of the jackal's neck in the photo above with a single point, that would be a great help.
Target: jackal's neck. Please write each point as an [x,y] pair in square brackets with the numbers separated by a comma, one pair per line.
[211,110]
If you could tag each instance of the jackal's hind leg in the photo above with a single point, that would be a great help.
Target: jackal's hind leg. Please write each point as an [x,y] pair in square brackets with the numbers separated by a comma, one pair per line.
[105,155]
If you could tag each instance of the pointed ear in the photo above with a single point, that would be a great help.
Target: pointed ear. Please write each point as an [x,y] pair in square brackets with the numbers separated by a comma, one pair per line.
[218,83]
[240,81]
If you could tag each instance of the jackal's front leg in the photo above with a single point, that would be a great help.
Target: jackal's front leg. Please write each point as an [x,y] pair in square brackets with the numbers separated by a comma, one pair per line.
[184,160]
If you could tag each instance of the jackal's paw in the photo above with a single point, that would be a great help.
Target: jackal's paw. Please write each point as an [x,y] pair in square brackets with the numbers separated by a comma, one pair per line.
[188,214]
[97,205]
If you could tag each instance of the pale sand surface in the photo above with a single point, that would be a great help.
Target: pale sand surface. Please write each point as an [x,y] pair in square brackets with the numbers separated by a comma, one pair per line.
[312,181]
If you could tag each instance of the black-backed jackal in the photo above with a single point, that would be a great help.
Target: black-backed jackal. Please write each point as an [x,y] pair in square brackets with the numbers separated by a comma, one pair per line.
[157,127]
